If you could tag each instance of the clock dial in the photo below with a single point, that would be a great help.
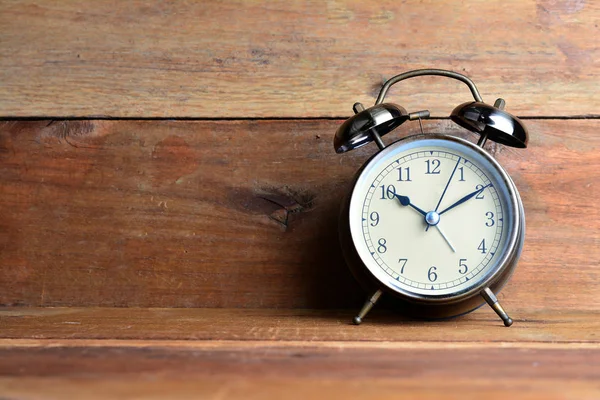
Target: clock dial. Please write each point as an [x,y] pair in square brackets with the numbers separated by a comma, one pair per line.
[430,217]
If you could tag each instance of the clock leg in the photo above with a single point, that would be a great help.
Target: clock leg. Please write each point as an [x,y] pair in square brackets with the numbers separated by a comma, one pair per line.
[492,300]
[367,307]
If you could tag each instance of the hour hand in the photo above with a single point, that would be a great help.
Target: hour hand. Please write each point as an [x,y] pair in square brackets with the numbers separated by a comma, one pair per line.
[405,201]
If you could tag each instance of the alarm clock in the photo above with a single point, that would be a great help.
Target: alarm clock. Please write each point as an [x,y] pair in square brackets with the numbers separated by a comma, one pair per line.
[432,220]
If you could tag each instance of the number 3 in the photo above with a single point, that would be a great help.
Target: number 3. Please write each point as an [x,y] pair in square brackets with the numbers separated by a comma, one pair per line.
[490,217]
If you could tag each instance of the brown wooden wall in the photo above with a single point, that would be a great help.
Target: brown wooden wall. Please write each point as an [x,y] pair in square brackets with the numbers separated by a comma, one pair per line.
[180,153]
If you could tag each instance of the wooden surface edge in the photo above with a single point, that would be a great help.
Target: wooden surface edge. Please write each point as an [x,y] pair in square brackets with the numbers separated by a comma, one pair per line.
[243,345]
[316,372]
[295,354]
[481,328]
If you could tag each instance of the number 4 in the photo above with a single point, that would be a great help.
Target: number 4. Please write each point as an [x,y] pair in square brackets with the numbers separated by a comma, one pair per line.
[482,247]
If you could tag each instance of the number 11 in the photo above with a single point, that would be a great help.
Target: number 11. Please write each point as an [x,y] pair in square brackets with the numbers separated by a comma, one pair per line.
[404,177]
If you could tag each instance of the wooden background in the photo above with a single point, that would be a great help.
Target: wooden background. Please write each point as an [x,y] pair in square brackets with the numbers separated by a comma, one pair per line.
[223,189]
[179,154]
[292,58]
[243,214]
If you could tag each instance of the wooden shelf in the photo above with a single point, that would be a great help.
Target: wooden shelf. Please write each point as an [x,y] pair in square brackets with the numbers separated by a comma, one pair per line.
[291,325]
[235,353]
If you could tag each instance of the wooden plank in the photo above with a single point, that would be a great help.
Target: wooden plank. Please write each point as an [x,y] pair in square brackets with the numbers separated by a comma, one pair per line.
[294,58]
[243,214]
[267,371]
[479,329]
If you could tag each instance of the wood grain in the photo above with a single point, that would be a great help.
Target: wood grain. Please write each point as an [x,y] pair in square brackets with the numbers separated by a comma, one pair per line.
[243,214]
[127,353]
[294,58]
[481,329]
[268,371]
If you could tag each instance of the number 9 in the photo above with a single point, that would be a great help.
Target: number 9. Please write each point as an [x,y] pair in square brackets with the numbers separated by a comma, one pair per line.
[374,217]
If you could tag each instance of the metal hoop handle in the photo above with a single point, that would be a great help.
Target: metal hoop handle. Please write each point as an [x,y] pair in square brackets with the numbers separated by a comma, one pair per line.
[422,72]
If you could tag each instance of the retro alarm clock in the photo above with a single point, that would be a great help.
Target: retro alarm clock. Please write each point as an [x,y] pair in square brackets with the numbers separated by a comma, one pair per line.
[432,220]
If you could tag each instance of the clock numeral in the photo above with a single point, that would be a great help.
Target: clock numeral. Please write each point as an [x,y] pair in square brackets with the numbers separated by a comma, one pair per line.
[388,192]
[480,195]
[431,274]
[482,247]
[403,262]
[404,177]
[374,217]
[433,166]
[490,217]
[462,174]
[461,264]
[382,248]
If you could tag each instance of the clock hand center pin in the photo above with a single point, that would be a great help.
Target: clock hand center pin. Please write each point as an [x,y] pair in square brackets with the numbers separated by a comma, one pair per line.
[432,218]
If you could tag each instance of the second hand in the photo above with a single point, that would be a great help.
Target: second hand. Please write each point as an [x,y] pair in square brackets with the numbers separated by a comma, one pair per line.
[445,238]
[446,188]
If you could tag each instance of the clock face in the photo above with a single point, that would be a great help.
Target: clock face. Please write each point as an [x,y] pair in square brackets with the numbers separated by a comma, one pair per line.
[432,217]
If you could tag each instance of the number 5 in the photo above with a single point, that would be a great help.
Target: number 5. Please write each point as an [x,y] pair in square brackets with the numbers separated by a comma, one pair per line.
[461,264]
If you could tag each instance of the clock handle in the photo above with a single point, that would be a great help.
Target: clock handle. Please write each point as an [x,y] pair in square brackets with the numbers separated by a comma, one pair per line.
[429,71]
[492,300]
[499,104]
[367,307]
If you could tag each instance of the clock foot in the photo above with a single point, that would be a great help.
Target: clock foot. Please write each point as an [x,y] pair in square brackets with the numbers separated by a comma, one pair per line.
[492,300]
[367,307]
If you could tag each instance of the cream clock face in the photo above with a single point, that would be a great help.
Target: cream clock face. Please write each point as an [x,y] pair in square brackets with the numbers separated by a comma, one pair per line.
[431,217]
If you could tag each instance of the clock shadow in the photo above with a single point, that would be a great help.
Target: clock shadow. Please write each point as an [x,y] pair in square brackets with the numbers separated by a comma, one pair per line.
[328,282]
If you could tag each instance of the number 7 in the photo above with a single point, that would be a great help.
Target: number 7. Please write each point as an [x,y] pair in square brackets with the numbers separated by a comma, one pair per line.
[403,262]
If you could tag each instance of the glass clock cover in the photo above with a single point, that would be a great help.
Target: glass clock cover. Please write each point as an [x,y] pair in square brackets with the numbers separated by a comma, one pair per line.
[432,217]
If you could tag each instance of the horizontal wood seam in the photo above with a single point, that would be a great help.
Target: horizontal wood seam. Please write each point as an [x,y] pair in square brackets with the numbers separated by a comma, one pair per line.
[203,119]
[237,343]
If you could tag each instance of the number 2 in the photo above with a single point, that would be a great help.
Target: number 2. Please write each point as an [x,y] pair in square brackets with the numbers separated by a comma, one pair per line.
[480,195]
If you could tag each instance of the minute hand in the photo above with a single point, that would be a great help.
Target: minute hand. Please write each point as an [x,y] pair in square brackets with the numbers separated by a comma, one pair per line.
[467,197]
